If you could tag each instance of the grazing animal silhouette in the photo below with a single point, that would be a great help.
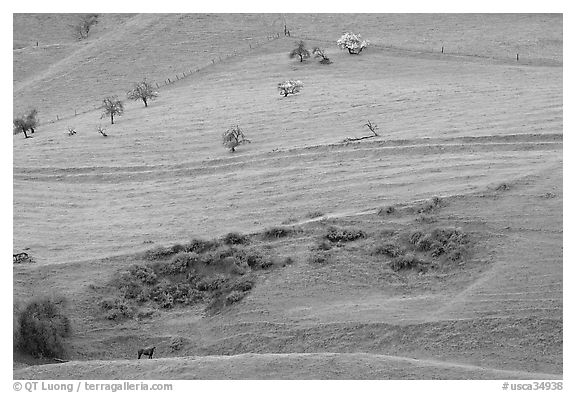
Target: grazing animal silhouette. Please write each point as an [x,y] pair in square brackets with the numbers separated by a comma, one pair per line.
[146,351]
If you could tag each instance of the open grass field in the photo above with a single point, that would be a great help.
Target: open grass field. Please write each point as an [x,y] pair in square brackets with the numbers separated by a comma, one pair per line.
[471,126]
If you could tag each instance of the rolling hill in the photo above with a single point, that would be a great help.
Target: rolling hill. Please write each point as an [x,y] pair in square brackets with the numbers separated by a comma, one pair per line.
[473,127]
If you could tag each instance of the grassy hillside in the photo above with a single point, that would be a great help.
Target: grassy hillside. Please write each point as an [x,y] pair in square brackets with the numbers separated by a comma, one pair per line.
[482,132]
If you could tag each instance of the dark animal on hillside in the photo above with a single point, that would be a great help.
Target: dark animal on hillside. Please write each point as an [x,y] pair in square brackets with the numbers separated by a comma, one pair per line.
[146,351]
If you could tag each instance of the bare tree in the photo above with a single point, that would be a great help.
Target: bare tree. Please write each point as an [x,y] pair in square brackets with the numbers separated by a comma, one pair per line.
[25,123]
[142,91]
[372,127]
[233,137]
[112,107]
[101,130]
[82,28]
[300,51]
[318,52]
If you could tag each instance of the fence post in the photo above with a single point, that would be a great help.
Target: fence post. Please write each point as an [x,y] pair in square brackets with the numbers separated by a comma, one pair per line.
[75,114]
[442,49]
[177,77]
[516,56]
[157,85]
[57,118]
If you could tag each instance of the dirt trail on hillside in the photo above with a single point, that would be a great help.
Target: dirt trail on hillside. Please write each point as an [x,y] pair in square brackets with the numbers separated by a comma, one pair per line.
[276,366]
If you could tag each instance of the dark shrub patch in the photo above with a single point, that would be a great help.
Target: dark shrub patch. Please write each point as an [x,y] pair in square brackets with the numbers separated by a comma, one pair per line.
[176,343]
[211,283]
[116,309]
[318,258]
[344,235]
[386,210]
[415,237]
[390,249]
[243,285]
[179,263]
[314,214]
[144,274]
[233,238]
[266,264]
[406,261]
[200,246]
[41,329]
[424,243]
[158,253]
[503,187]
[176,248]
[234,296]
[276,233]
[323,245]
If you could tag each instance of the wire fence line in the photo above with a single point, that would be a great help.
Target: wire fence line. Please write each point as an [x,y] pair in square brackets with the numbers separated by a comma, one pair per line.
[179,76]
[275,36]
[441,49]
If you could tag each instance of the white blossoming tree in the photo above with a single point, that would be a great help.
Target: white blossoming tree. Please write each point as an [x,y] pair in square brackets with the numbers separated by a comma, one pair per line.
[353,42]
[290,87]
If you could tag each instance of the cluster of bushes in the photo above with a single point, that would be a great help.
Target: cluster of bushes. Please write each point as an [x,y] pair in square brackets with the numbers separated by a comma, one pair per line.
[218,271]
[336,235]
[441,241]
[41,329]
[449,242]
[276,233]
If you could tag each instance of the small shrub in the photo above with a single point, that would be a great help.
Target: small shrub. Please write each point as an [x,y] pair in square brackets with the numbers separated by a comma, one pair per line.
[318,258]
[424,243]
[276,233]
[323,245]
[211,283]
[144,314]
[406,261]
[176,343]
[386,210]
[116,309]
[176,248]
[233,238]
[429,206]
[234,296]
[143,273]
[415,237]
[179,263]
[390,249]
[314,214]
[42,328]
[158,253]
[287,261]
[243,285]
[201,246]
[503,187]
[266,264]
[344,235]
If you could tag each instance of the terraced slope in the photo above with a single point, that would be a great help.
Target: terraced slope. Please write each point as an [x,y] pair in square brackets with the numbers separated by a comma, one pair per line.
[120,191]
